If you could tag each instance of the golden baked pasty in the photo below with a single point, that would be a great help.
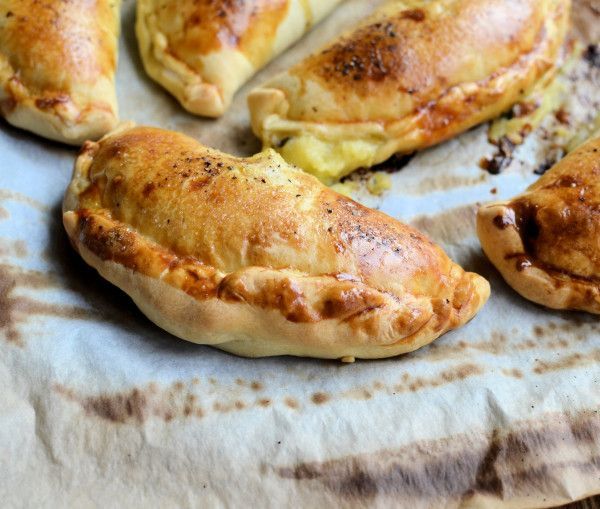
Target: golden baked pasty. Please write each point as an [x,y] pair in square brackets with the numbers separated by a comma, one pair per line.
[57,67]
[546,241]
[256,257]
[413,74]
[203,51]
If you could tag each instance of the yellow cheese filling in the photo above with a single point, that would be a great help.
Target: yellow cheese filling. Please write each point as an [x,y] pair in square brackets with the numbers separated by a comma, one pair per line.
[329,160]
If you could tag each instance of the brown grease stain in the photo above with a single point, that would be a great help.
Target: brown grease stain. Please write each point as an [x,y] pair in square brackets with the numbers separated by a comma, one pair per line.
[359,394]
[291,403]
[445,182]
[446,376]
[8,105]
[512,372]
[554,332]
[174,402]
[136,405]
[319,398]
[501,159]
[16,309]
[20,248]
[550,337]
[4,214]
[221,408]
[521,461]
[118,407]
[13,248]
[569,362]
[255,385]
[440,351]
[8,195]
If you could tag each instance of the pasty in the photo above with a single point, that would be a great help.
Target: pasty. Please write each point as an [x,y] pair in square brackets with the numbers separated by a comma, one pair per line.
[256,257]
[413,74]
[546,241]
[57,67]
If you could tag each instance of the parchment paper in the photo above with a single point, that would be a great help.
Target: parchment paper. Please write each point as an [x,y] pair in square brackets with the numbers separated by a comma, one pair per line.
[100,408]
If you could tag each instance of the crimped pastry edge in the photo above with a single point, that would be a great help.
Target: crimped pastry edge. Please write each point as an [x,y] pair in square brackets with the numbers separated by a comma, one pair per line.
[172,310]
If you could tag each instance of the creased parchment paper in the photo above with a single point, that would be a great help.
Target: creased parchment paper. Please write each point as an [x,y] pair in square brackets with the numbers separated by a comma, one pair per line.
[100,408]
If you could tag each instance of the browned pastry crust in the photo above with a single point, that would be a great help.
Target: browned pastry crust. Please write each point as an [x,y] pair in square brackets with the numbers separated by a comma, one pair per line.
[412,75]
[57,67]
[256,257]
[546,241]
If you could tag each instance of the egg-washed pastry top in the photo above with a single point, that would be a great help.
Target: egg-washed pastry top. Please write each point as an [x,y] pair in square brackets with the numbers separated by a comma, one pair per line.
[413,74]
[203,51]
[546,241]
[57,67]
[256,257]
